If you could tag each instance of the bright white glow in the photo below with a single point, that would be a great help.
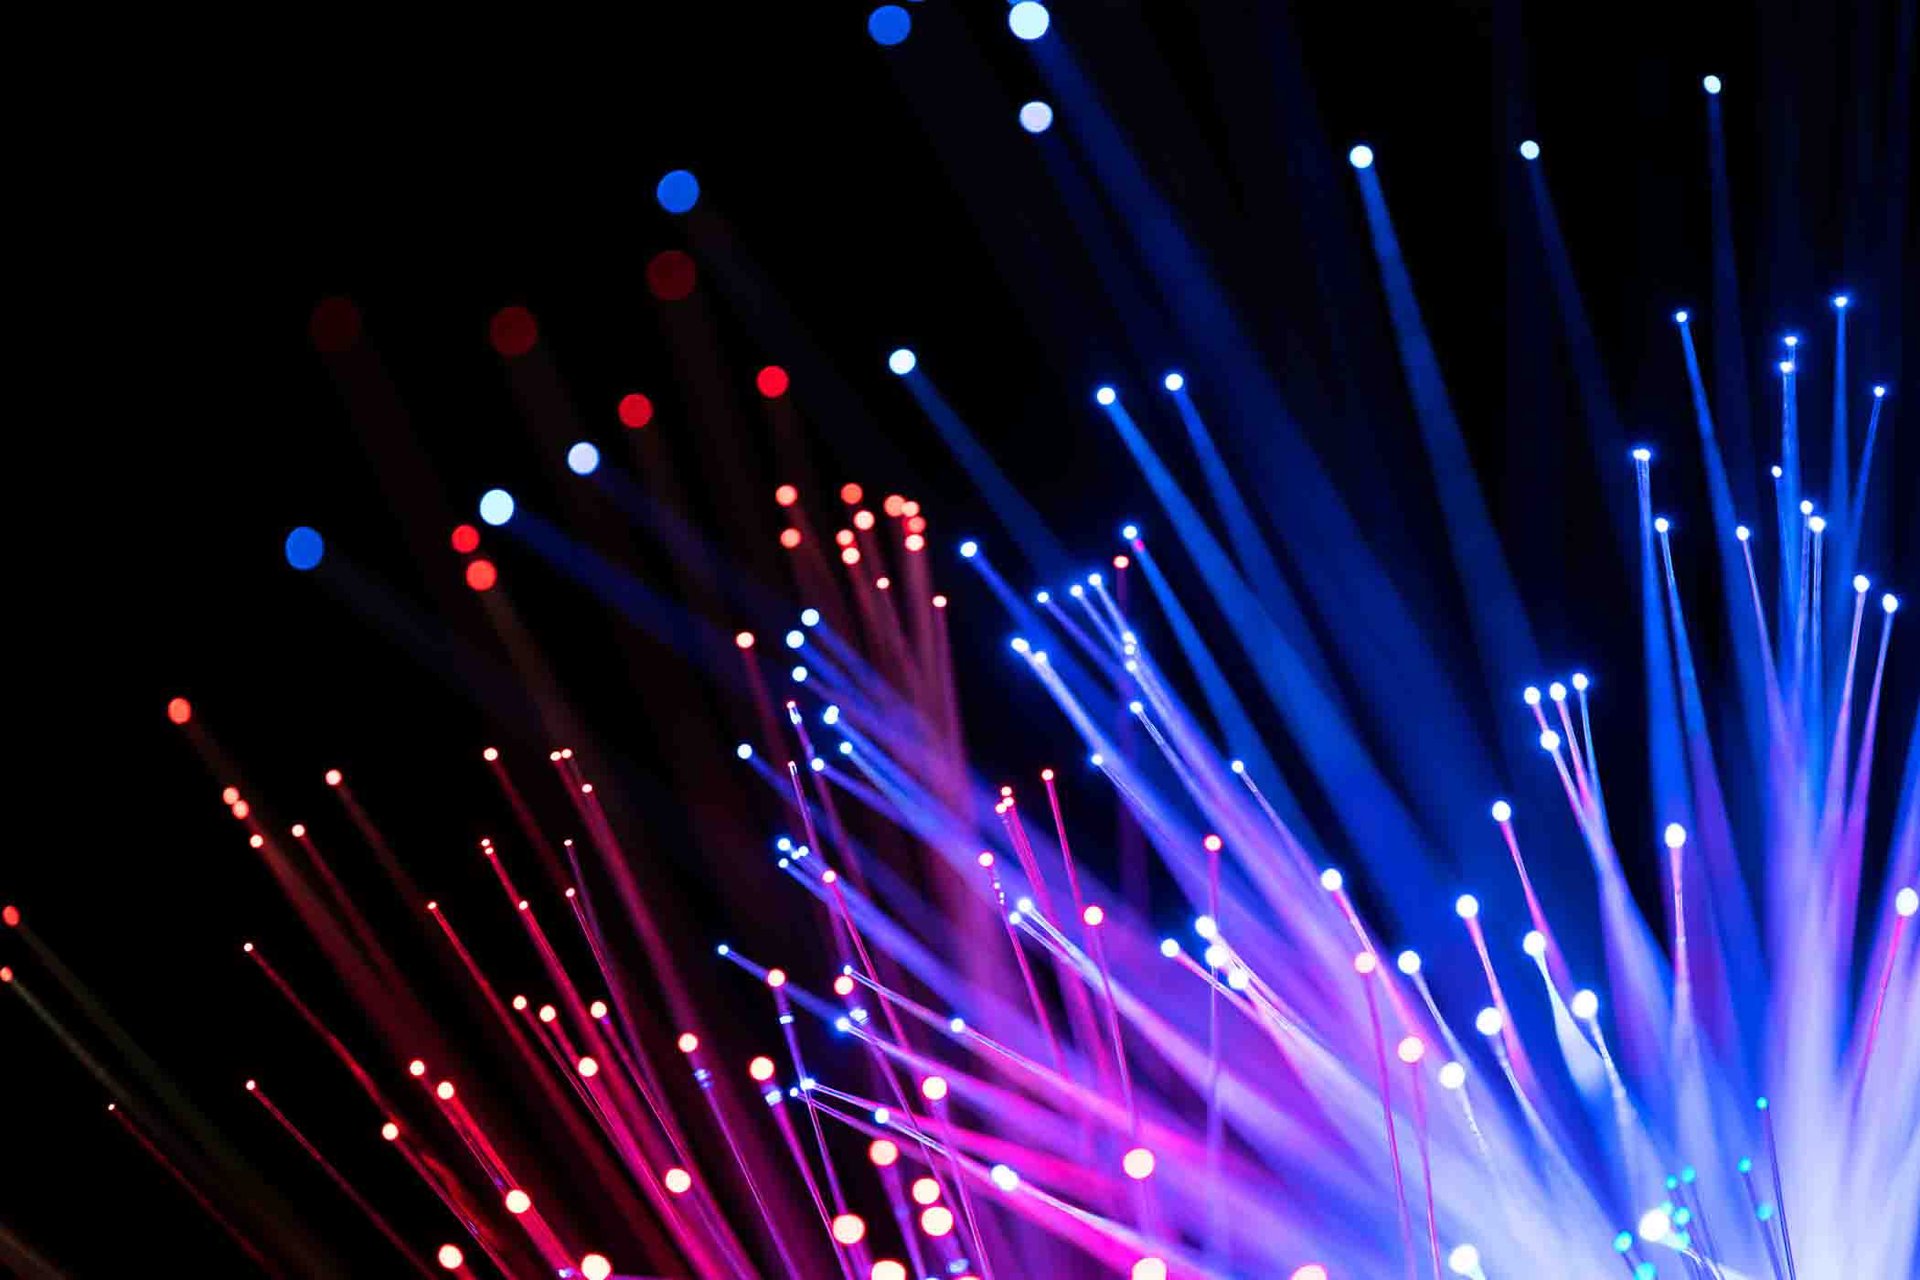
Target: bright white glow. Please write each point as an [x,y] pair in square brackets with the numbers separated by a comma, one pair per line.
[1775,471]
[969,549]
[1216,956]
[1036,117]
[1408,962]
[1534,944]
[1889,602]
[1238,766]
[1675,835]
[1786,366]
[831,715]
[744,751]
[1792,340]
[1004,1178]
[1741,532]
[1655,1225]
[1488,1021]
[1661,525]
[1840,301]
[1361,157]
[1411,1050]
[1549,740]
[583,459]
[1530,696]
[1712,85]
[809,617]
[1529,150]
[795,639]
[1579,682]
[1169,948]
[1584,1004]
[1331,880]
[1879,392]
[1105,396]
[1906,902]
[1452,1076]
[1129,531]
[1029,19]
[496,506]
[1557,691]
[1502,811]
[1680,317]
[1238,979]
[1466,906]
[1173,382]
[1860,583]
[1818,524]
[902,361]
[1041,597]
[1643,454]
[1464,1260]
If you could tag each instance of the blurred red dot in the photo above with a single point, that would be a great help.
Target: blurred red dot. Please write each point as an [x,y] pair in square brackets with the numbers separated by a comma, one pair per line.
[466,539]
[916,524]
[334,325]
[481,575]
[893,504]
[850,493]
[241,809]
[671,275]
[635,410]
[786,495]
[6,974]
[513,331]
[10,915]
[179,710]
[772,381]
[789,538]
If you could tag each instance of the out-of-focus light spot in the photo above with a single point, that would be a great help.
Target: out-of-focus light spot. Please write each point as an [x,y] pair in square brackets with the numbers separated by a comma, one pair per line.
[688,1042]
[1105,396]
[1312,1271]
[933,1088]
[883,1152]
[924,1191]
[257,841]
[635,410]
[1466,906]
[597,1010]
[786,495]
[481,575]
[1036,117]
[850,555]
[595,1267]
[772,381]
[1411,1050]
[776,978]
[1464,1260]
[496,507]
[518,1201]
[1174,381]
[1584,1004]
[902,362]
[678,1181]
[333,777]
[1655,1225]
[390,1131]
[513,331]
[589,1068]
[1149,1269]
[444,1091]
[304,548]
[937,1221]
[1029,19]
[334,325]
[1361,157]
[1711,84]
[969,549]
[671,275]
[241,809]
[1890,602]
[678,191]
[1452,1075]
[851,493]
[1529,150]
[888,1269]
[466,539]
[1331,880]
[1408,962]
[790,538]
[743,640]
[1502,811]
[179,710]
[450,1257]
[761,1069]
[583,459]
[1138,1164]
[1004,1177]
[1489,1021]
[1906,902]
[889,24]
[849,1228]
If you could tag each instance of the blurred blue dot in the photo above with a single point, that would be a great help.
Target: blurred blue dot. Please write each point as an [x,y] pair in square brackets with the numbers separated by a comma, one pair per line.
[678,192]
[583,459]
[304,548]
[889,24]
[496,506]
[1029,19]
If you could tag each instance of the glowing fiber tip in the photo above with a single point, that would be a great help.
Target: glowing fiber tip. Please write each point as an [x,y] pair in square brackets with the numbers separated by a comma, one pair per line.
[1036,117]
[889,24]
[1452,1075]
[496,507]
[1464,1260]
[1661,524]
[1879,392]
[1029,19]
[1643,454]
[1467,907]
[1712,85]
[902,361]
[1361,157]
[1840,301]
[583,459]
[1408,962]
[1411,1050]
[678,191]
[1331,880]
[1675,835]
[1585,1004]
[304,548]
[1861,583]
[1906,902]
[1502,811]
[1741,532]
[1105,396]
[1489,1021]
[1173,382]
[1529,150]
[969,549]
[1534,943]
[1889,602]
[1655,1226]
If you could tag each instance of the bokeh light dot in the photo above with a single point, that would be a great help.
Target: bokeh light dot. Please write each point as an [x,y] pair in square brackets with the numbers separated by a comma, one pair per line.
[1036,117]
[889,24]
[671,275]
[1029,19]
[481,575]
[513,331]
[304,548]
[678,192]
[451,1257]
[466,539]
[849,1228]
[583,459]
[636,410]
[772,381]
[937,1221]
[496,507]
[678,1181]
[179,710]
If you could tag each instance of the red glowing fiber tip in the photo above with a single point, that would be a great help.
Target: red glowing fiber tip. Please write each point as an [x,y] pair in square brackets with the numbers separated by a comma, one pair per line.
[179,710]
[772,381]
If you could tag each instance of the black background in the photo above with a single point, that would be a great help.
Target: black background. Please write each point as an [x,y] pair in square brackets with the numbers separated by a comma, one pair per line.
[198,191]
